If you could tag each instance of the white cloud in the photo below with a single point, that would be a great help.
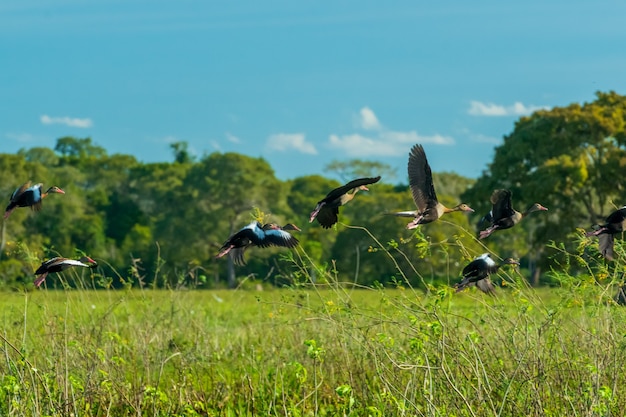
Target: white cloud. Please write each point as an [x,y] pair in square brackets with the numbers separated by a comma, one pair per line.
[383,142]
[387,143]
[367,119]
[20,137]
[290,141]
[232,138]
[478,108]
[68,121]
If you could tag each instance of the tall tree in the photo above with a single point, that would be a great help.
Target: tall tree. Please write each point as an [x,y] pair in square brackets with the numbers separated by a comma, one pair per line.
[570,159]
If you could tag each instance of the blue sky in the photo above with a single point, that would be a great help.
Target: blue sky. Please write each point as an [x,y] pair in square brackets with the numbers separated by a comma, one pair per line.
[300,83]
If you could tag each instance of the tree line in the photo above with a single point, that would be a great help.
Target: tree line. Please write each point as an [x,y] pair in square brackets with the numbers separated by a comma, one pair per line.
[160,224]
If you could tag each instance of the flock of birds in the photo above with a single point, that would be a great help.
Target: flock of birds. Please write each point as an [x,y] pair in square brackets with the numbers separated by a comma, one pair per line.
[428,209]
[32,196]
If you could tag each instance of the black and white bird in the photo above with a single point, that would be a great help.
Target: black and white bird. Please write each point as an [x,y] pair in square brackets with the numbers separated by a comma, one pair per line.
[59,264]
[477,272]
[429,208]
[29,196]
[327,209]
[255,234]
[503,215]
[615,223]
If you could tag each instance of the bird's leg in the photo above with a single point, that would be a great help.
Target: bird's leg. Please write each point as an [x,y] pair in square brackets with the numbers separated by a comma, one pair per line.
[597,232]
[40,279]
[416,222]
[487,232]
[225,251]
[8,213]
[315,212]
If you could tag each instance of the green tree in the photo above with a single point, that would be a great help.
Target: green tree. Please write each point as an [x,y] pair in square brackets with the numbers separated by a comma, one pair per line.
[571,160]
[215,200]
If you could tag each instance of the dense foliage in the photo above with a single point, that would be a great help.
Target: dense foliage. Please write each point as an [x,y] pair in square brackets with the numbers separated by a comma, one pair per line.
[167,220]
[161,224]
[570,159]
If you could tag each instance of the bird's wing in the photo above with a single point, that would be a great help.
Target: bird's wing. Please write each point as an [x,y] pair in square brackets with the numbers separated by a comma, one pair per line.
[486,286]
[487,218]
[32,197]
[19,191]
[237,255]
[253,232]
[617,216]
[250,234]
[71,262]
[48,264]
[605,244]
[279,237]
[473,270]
[501,200]
[328,216]
[421,180]
[339,191]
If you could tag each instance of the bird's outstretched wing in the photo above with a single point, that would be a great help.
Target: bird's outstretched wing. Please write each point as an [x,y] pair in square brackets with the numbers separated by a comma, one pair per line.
[421,179]
[339,191]
[279,237]
[501,201]
[20,190]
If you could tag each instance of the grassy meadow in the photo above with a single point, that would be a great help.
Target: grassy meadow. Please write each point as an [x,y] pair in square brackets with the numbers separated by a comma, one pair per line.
[314,350]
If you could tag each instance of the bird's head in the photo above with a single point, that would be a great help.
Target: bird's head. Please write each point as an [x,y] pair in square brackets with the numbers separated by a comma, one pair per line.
[87,260]
[291,226]
[537,207]
[510,261]
[55,189]
[464,207]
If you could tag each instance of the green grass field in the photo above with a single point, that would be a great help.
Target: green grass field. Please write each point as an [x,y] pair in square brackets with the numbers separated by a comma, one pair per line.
[313,350]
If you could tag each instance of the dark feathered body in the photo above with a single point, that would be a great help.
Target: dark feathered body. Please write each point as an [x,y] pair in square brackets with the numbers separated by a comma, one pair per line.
[478,271]
[503,216]
[29,196]
[257,235]
[327,209]
[423,192]
[59,264]
[615,223]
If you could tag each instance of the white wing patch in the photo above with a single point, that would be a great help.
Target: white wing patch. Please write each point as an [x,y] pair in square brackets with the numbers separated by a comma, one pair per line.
[487,258]
[71,262]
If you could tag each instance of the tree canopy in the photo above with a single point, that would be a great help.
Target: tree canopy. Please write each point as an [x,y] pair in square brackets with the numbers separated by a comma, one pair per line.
[161,224]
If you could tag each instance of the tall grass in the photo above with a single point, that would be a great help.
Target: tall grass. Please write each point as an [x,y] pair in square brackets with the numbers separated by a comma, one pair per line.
[324,348]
